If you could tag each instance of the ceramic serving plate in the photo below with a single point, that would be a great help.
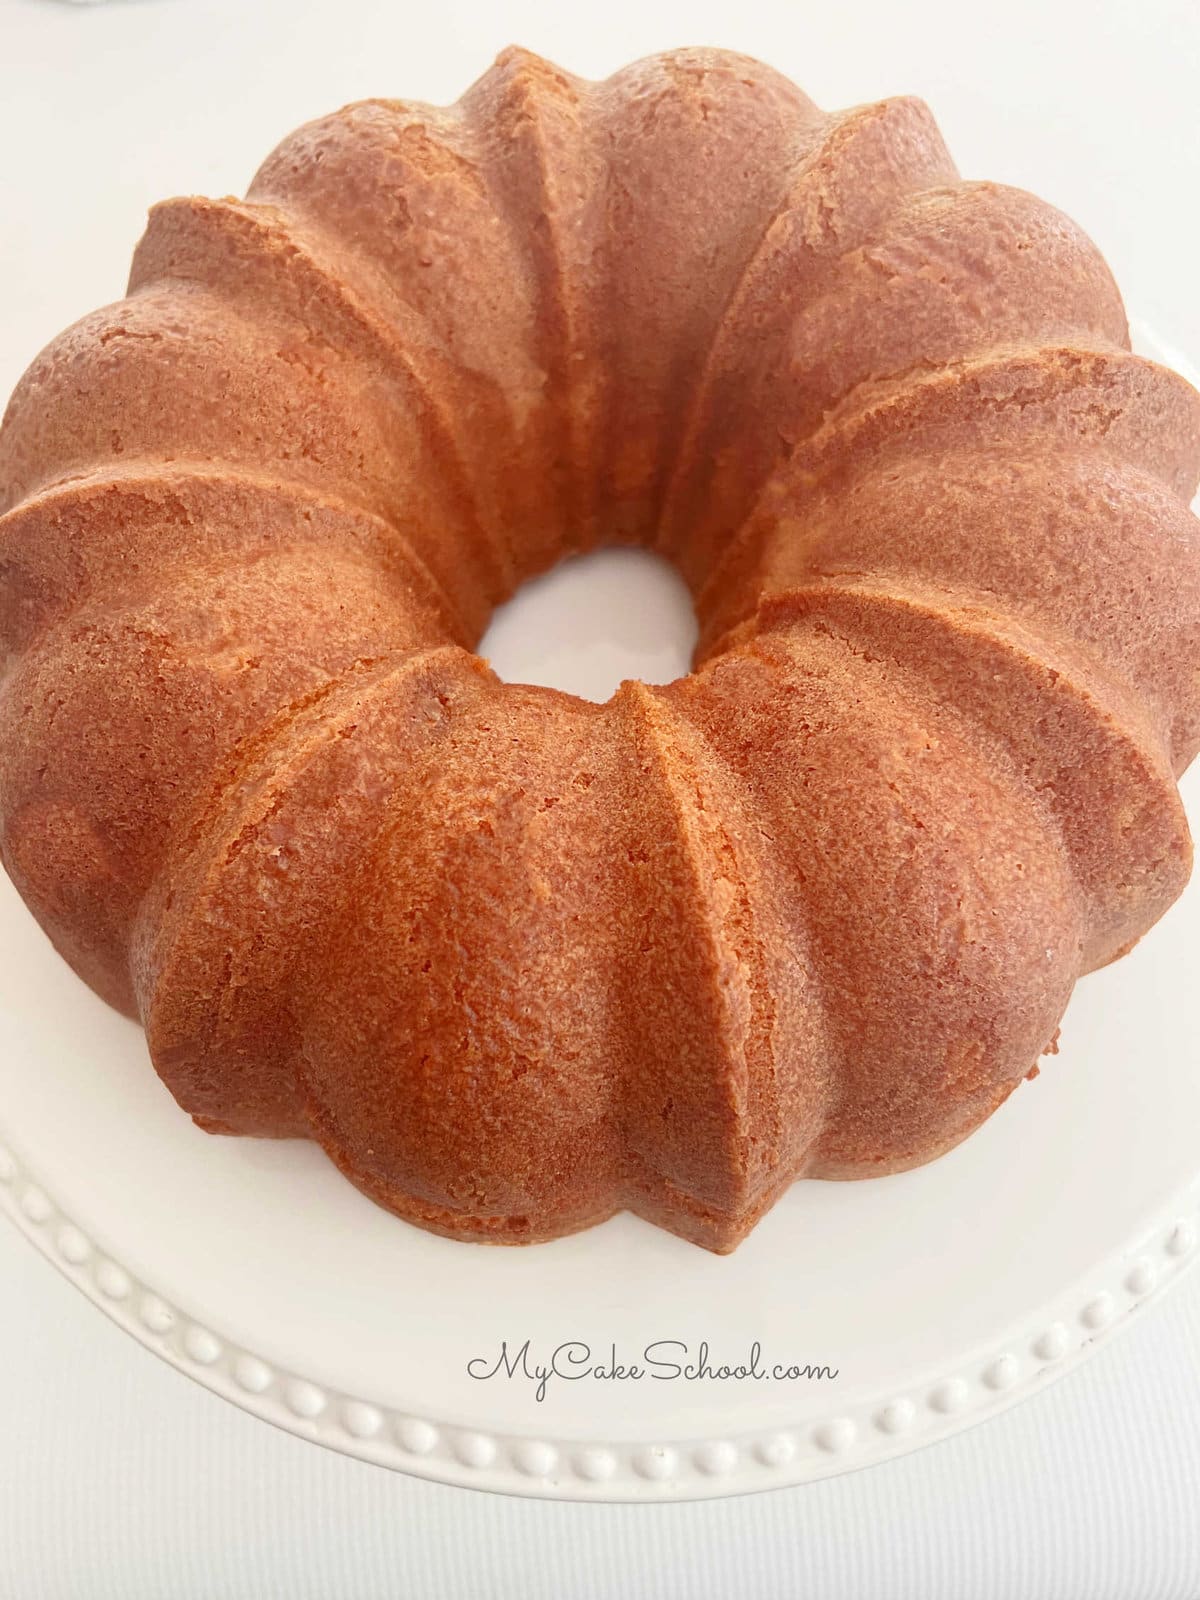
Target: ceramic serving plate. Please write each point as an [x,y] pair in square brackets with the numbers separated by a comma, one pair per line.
[859,1321]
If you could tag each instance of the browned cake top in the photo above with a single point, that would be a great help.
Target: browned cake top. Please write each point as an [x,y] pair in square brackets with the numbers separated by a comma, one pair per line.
[516,959]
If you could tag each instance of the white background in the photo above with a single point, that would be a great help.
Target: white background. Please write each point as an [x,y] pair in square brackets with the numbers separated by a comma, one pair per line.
[117,1476]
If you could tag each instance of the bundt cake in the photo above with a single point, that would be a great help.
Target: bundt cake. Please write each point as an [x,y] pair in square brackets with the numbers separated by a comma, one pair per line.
[515,959]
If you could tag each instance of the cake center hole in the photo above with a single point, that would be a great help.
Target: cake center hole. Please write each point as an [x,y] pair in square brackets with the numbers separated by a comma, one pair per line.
[593,621]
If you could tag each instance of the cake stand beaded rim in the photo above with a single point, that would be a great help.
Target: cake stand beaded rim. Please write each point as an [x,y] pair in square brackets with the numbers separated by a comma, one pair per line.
[1030,1356]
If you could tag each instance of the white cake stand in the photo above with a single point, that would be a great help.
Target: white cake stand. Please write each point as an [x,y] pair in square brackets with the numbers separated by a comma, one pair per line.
[934,1298]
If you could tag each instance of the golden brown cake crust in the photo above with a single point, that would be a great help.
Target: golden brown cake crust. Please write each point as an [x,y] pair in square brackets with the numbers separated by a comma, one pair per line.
[517,960]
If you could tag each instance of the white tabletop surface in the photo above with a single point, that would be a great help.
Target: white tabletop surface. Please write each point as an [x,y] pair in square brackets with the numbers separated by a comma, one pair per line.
[119,1477]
